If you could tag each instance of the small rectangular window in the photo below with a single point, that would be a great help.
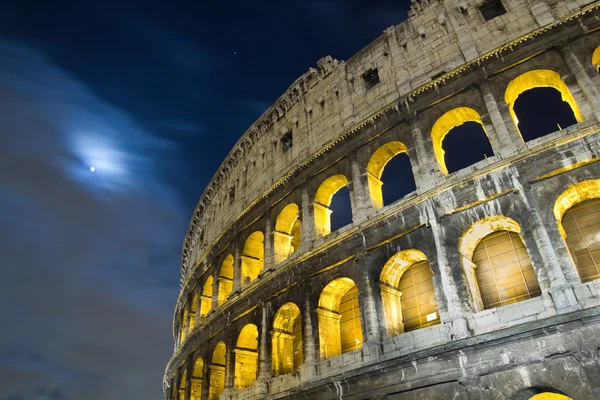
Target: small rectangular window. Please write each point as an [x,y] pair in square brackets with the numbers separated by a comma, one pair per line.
[491,9]
[287,141]
[371,78]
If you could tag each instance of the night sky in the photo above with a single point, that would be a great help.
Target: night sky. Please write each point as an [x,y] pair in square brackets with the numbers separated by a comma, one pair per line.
[153,95]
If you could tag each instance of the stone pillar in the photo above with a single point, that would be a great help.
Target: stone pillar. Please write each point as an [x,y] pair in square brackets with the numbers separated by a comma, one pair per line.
[269,248]
[502,142]
[215,292]
[454,314]
[583,79]
[205,379]
[230,364]
[188,383]
[237,270]
[371,319]
[198,303]
[264,355]
[361,207]
[429,170]
[308,338]
[308,222]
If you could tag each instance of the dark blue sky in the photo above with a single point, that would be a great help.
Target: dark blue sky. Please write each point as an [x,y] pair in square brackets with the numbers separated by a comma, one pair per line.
[152,94]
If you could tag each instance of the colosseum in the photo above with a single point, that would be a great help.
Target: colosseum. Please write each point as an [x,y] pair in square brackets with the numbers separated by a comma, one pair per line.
[480,280]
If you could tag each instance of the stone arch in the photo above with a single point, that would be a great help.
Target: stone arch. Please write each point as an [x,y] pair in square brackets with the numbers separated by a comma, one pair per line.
[183,385]
[253,257]
[286,237]
[206,297]
[539,78]
[377,163]
[539,393]
[197,376]
[184,323]
[225,279]
[596,59]
[407,292]
[445,124]
[323,197]
[246,357]
[287,339]
[217,372]
[339,318]
[497,263]
[577,214]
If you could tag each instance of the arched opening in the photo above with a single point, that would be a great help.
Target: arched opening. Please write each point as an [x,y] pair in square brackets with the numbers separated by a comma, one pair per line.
[287,339]
[217,372]
[173,395]
[253,257]
[197,374]
[577,212]
[246,357]
[390,164]
[206,297]
[192,318]
[407,292]
[541,103]
[182,385]
[339,318]
[225,279]
[596,59]
[467,132]
[286,237]
[323,200]
[497,263]
[536,393]
[184,324]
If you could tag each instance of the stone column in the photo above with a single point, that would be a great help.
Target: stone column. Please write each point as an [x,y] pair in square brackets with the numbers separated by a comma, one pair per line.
[198,303]
[454,314]
[188,383]
[430,173]
[369,315]
[308,338]
[205,379]
[361,207]
[215,292]
[237,270]
[502,142]
[308,222]
[269,248]
[230,364]
[583,80]
[264,355]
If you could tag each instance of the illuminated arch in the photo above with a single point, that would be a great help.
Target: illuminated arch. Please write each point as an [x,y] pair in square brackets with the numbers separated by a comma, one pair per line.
[535,79]
[197,375]
[287,339]
[549,396]
[286,237]
[184,324]
[206,297]
[375,168]
[192,319]
[339,318]
[576,212]
[444,124]
[253,257]
[323,197]
[407,292]
[596,58]
[183,385]
[225,279]
[217,372]
[496,262]
[246,357]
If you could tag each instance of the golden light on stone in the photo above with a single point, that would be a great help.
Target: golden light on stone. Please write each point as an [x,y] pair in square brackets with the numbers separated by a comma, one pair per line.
[206,297]
[197,373]
[253,257]
[322,201]
[549,396]
[193,312]
[287,339]
[182,385]
[596,58]
[225,279]
[375,168]
[246,357]
[576,193]
[339,319]
[535,79]
[286,237]
[444,124]
[217,372]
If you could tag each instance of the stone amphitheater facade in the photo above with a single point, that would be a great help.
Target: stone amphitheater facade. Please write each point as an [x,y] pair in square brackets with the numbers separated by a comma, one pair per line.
[483,283]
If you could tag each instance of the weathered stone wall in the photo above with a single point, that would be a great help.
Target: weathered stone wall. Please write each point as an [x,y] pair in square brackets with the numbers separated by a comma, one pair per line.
[508,352]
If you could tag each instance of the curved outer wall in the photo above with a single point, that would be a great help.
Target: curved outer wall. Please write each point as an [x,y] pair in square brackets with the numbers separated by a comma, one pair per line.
[444,57]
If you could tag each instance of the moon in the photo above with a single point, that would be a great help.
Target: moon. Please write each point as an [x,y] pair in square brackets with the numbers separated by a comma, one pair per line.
[92,169]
